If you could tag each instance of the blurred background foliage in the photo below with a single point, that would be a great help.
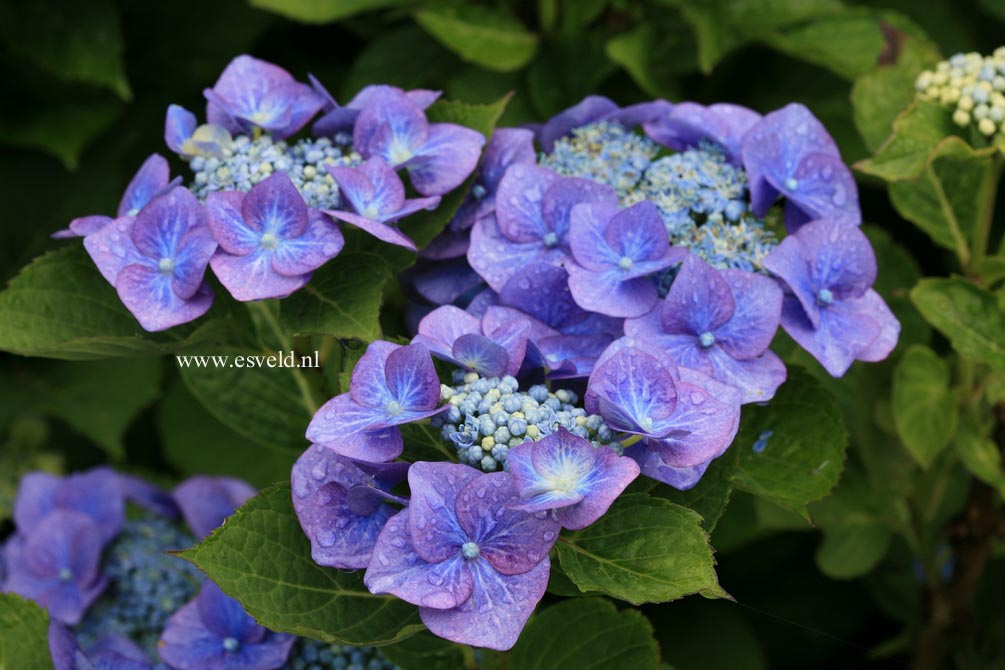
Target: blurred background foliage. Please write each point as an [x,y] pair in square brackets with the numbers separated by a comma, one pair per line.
[86,85]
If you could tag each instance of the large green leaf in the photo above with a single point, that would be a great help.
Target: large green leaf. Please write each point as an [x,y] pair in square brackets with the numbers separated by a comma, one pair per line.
[916,133]
[855,537]
[196,443]
[342,299]
[62,130]
[968,315]
[24,635]
[980,455]
[72,40]
[485,36]
[792,449]
[848,43]
[924,407]
[59,306]
[643,550]
[586,634]
[651,55]
[405,57]
[325,11]
[262,558]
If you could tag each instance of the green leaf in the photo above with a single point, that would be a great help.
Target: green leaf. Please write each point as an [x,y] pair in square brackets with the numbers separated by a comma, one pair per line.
[24,644]
[880,95]
[916,133]
[405,57]
[61,130]
[262,558]
[485,36]
[582,53]
[968,315]
[898,273]
[991,269]
[924,408]
[424,443]
[643,550]
[195,443]
[848,44]
[710,495]
[342,299]
[325,11]
[586,634]
[946,200]
[100,399]
[425,651]
[803,448]
[980,455]
[75,41]
[855,537]
[60,306]
[651,56]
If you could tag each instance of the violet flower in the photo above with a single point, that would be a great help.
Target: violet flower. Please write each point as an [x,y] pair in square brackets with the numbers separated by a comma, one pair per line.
[531,222]
[270,240]
[566,473]
[614,253]
[111,652]
[391,385]
[185,137]
[341,504]
[688,124]
[157,261]
[377,195]
[337,118]
[461,338]
[213,632]
[252,93]
[830,310]
[205,502]
[790,153]
[96,493]
[475,567]
[437,156]
[595,108]
[721,323]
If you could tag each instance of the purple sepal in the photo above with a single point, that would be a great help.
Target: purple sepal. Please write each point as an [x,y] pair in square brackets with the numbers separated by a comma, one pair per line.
[688,124]
[598,108]
[96,493]
[111,652]
[206,502]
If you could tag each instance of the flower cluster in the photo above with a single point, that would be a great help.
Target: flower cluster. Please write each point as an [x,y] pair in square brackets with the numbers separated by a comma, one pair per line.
[117,599]
[262,209]
[973,86]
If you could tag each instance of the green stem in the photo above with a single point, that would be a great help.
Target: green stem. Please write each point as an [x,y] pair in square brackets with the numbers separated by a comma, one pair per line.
[986,201]
[264,310]
[962,250]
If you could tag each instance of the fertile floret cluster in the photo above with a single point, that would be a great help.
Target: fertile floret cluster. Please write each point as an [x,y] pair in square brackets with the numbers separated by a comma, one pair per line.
[247,161]
[972,85]
[146,584]
[310,654]
[605,152]
[489,416]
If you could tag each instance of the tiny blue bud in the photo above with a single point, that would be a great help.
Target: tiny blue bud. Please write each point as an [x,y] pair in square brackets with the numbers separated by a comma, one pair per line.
[231,644]
[470,550]
[550,240]
[792,183]
[825,297]
[706,339]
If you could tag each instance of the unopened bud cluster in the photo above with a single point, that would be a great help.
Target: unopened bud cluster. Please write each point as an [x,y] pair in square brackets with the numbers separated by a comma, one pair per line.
[972,85]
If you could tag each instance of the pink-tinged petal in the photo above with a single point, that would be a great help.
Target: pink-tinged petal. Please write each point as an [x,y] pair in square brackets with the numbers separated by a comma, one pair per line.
[397,569]
[112,249]
[160,226]
[298,102]
[36,497]
[750,329]
[440,328]
[588,241]
[683,350]
[231,231]
[609,293]
[481,354]
[83,226]
[512,336]
[652,466]
[845,331]
[588,110]
[839,258]
[321,242]
[790,263]
[613,475]
[634,393]
[495,257]
[147,293]
[519,200]
[206,502]
[497,610]
[148,181]
[354,430]
[390,126]
[689,123]
[757,379]
[435,530]
[275,206]
[252,277]
[508,146]
[195,249]
[179,124]
[448,157]
[699,299]
[564,194]
[415,205]
[247,79]
[512,541]
[369,379]
[872,304]
[388,192]
[824,188]
[382,231]
[411,377]
[355,186]
[704,423]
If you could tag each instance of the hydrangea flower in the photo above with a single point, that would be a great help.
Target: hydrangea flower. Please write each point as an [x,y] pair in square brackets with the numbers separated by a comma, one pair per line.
[790,153]
[531,222]
[213,632]
[828,268]
[57,563]
[615,253]
[391,385]
[113,652]
[95,493]
[157,261]
[682,416]
[485,347]
[270,241]
[152,179]
[475,567]
[594,108]
[184,136]
[721,323]
[566,473]
[689,124]
[377,195]
[337,118]
[971,85]
[252,93]
[205,502]
[437,156]
[341,504]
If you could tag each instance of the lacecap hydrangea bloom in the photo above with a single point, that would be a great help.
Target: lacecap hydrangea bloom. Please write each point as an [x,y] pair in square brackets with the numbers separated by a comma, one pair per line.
[118,600]
[261,209]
